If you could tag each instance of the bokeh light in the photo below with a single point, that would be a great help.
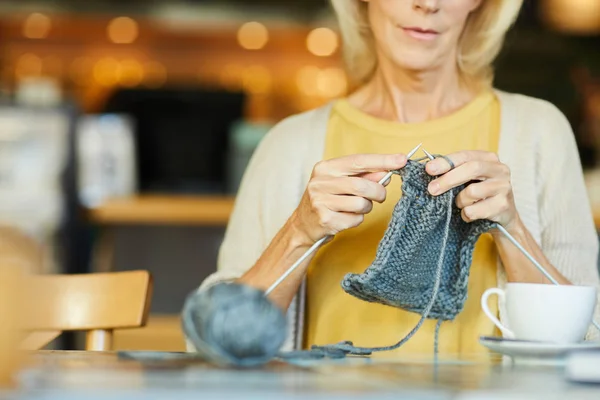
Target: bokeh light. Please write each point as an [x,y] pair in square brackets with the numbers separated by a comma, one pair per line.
[122,30]
[572,16]
[332,82]
[37,26]
[131,73]
[322,42]
[306,80]
[253,36]
[107,71]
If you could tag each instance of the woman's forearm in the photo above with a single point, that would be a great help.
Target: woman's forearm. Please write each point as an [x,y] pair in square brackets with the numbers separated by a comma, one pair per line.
[518,268]
[338,195]
[283,251]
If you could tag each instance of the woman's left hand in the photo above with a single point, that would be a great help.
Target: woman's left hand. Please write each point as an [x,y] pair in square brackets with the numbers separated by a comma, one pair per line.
[490,196]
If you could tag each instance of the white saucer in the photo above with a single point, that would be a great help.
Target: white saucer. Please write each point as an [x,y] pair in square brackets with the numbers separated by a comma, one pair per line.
[523,349]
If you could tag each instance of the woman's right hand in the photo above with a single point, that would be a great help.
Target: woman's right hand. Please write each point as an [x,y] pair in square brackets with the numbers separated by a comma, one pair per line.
[340,192]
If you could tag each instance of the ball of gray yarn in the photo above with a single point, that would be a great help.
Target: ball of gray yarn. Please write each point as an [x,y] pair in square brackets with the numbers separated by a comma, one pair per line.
[234,324]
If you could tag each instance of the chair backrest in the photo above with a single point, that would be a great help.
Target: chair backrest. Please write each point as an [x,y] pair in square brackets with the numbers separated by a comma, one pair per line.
[97,303]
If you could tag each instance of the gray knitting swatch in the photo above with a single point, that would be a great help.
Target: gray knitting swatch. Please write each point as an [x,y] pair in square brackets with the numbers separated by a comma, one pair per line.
[404,270]
[422,263]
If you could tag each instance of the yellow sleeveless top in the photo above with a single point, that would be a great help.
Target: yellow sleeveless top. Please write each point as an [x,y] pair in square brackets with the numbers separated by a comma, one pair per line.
[333,315]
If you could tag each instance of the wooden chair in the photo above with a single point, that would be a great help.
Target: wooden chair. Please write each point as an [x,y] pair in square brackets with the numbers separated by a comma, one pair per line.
[97,303]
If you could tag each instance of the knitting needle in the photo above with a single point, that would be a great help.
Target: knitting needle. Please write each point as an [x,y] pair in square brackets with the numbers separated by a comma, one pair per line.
[408,156]
[428,155]
[522,249]
[320,241]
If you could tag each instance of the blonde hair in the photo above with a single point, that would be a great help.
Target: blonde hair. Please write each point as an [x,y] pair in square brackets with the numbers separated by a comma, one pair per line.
[480,42]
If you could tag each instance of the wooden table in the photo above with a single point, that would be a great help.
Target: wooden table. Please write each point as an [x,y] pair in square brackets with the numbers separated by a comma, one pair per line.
[81,375]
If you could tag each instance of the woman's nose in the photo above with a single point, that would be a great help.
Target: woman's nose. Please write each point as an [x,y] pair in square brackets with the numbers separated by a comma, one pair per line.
[429,6]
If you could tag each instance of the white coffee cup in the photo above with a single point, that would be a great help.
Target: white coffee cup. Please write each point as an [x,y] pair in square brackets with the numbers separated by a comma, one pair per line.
[547,313]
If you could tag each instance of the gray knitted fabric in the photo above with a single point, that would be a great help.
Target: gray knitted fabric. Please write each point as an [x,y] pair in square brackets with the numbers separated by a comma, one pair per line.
[404,270]
[422,263]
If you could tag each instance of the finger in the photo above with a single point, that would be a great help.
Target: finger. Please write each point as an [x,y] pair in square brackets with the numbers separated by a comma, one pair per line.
[353,186]
[479,191]
[374,176]
[349,204]
[491,208]
[387,181]
[361,163]
[342,221]
[440,165]
[333,222]
[471,171]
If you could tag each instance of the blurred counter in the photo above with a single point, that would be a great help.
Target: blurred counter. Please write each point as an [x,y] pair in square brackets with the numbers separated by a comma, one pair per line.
[158,209]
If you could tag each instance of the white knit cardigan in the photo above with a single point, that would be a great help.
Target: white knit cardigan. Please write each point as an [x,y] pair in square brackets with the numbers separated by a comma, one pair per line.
[536,142]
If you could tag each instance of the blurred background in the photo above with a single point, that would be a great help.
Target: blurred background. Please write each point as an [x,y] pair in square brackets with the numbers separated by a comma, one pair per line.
[126,125]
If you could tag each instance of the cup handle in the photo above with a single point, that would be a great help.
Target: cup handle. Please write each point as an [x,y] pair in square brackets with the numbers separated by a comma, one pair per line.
[507,333]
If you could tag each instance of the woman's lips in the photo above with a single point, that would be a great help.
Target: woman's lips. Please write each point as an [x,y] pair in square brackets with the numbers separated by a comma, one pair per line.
[420,33]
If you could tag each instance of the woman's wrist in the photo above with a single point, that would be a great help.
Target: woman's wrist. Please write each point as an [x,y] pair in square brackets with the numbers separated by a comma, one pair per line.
[285,248]
[519,268]
[296,233]
[516,228]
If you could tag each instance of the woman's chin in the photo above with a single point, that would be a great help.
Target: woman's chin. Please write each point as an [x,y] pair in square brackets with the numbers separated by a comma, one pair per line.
[415,59]
[414,64]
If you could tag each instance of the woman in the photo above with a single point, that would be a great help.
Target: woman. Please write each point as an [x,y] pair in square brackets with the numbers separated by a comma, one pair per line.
[425,72]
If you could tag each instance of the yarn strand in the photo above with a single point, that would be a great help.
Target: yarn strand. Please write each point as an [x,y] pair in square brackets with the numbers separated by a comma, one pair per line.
[436,341]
